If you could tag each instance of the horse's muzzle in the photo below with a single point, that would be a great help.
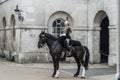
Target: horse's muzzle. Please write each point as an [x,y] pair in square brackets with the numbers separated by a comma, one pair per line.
[39,46]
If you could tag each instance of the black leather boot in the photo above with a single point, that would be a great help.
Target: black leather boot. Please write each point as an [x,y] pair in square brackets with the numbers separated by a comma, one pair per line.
[68,52]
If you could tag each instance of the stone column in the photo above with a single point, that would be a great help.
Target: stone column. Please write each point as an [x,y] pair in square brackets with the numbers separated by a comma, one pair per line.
[96,45]
[90,45]
[112,45]
[118,40]
[93,44]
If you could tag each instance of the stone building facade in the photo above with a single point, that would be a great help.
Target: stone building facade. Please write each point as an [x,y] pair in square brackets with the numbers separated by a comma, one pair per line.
[93,23]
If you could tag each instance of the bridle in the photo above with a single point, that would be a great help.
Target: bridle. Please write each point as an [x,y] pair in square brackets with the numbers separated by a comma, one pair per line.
[42,40]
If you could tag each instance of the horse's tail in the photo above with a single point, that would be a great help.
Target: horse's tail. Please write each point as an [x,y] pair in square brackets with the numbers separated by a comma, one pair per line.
[87,54]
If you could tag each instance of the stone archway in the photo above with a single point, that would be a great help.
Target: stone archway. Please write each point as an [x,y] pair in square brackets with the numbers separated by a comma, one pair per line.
[94,38]
[104,40]
[58,15]
[97,36]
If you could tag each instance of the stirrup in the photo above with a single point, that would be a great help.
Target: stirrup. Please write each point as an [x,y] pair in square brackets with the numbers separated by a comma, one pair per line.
[68,53]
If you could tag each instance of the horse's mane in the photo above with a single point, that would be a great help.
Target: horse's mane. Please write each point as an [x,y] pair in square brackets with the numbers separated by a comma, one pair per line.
[51,36]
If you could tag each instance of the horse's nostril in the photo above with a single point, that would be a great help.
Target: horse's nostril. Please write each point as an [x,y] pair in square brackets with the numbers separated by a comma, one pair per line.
[40,46]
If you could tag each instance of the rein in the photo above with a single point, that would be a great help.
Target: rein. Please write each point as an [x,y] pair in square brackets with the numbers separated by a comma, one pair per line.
[51,37]
[103,53]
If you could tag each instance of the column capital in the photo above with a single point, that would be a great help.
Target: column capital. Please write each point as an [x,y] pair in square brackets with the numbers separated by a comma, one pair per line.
[112,27]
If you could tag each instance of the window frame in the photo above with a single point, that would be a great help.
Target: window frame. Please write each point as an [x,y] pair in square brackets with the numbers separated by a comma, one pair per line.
[58,26]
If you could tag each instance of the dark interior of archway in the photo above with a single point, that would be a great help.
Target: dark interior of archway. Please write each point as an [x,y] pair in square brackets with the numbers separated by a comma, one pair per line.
[104,40]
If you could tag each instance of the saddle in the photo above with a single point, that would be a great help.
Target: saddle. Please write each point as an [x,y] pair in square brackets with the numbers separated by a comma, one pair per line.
[72,44]
[75,43]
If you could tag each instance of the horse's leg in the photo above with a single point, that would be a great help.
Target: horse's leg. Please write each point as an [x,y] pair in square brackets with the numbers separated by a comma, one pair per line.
[54,67]
[57,67]
[83,70]
[78,64]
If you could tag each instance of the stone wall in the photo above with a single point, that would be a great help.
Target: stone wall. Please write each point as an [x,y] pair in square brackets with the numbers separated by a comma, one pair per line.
[40,14]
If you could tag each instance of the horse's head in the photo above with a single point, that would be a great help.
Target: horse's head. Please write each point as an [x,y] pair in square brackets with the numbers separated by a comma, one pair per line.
[42,39]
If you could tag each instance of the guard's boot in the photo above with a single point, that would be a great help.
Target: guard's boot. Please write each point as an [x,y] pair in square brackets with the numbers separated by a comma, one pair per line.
[68,52]
[63,58]
[68,47]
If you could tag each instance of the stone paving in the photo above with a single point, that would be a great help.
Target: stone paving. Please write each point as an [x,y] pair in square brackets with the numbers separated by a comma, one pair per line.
[43,71]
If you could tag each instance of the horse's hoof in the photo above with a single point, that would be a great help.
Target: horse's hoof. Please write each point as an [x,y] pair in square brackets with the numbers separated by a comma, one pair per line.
[83,77]
[53,76]
[56,77]
[75,75]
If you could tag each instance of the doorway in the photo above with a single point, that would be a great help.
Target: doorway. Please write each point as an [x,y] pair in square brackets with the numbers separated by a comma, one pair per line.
[104,40]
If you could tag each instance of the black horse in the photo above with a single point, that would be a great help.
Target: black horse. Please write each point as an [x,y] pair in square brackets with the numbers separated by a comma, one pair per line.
[80,53]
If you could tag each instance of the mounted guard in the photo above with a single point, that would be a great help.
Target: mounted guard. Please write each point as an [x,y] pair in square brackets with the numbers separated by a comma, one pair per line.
[65,38]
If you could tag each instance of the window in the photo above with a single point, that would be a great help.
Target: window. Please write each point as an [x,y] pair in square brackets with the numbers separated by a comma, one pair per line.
[58,26]
[4,34]
[13,26]
[4,22]
[12,21]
